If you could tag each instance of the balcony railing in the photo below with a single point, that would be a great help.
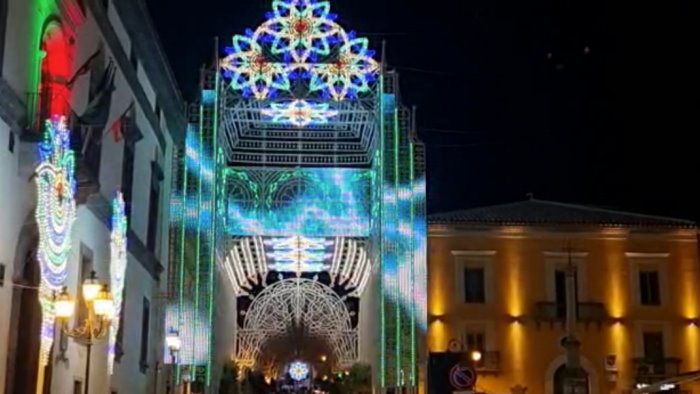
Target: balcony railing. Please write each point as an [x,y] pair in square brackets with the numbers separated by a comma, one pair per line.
[586,312]
[651,370]
[86,142]
[490,362]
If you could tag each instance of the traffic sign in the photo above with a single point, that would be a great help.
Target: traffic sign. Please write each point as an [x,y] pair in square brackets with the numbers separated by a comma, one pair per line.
[462,376]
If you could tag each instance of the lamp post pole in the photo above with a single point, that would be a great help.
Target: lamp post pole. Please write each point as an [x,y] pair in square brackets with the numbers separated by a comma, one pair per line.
[172,340]
[88,346]
[100,311]
[576,381]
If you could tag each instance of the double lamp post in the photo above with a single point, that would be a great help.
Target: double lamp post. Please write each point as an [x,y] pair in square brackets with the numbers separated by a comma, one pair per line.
[100,312]
[95,326]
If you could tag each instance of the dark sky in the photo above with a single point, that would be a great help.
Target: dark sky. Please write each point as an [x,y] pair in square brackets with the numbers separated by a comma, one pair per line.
[577,101]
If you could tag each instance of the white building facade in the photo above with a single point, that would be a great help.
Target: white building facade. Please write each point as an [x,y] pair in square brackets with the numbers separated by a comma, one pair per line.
[97,63]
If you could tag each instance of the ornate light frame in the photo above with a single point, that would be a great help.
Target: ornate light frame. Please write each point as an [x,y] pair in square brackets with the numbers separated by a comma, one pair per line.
[298,301]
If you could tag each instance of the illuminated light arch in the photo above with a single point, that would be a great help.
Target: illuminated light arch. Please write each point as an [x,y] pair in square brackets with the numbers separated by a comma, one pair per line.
[250,259]
[55,214]
[297,301]
[117,269]
[351,265]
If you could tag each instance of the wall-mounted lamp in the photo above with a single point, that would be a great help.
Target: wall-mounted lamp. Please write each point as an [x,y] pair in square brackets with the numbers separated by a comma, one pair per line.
[435,318]
[516,319]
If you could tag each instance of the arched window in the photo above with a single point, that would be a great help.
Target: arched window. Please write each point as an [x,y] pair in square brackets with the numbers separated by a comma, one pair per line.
[54,93]
[559,379]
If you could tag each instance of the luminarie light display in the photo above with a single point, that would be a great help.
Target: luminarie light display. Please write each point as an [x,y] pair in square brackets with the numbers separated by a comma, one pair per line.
[299,254]
[299,113]
[55,214]
[117,269]
[310,202]
[300,44]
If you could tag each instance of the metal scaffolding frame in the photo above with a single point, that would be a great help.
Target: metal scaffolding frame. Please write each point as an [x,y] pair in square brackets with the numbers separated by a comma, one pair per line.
[248,139]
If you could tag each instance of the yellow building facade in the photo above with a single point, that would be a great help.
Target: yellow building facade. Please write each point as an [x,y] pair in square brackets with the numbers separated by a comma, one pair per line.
[496,284]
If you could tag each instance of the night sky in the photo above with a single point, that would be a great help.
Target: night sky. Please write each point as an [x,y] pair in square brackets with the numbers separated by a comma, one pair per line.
[575,101]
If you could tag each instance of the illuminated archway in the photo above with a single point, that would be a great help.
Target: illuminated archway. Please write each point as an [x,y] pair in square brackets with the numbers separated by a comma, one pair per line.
[297,301]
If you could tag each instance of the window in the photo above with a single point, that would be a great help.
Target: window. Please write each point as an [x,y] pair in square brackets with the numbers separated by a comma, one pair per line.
[649,288]
[560,292]
[154,208]
[11,142]
[145,324]
[474,340]
[560,379]
[2,275]
[86,267]
[474,290]
[653,342]
[77,387]
[157,110]
[128,177]
[3,25]
[132,57]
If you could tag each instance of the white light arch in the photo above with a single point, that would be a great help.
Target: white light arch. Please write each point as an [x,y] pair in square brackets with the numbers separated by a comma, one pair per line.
[297,301]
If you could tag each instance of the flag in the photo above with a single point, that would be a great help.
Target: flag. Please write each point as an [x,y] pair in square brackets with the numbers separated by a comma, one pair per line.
[119,126]
[87,66]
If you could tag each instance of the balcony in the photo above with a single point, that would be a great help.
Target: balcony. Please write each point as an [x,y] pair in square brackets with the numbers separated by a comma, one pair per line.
[651,370]
[87,145]
[490,363]
[586,313]
[86,141]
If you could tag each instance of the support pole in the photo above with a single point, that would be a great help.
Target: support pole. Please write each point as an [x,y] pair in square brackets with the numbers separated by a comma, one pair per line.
[88,347]
[576,379]
[40,377]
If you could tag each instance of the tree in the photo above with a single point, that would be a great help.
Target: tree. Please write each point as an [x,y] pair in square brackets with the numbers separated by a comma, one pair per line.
[358,380]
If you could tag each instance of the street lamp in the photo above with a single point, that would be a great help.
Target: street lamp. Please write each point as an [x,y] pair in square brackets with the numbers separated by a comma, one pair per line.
[173,342]
[476,356]
[100,309]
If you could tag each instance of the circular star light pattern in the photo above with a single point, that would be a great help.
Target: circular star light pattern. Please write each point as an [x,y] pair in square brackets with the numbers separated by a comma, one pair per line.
[298,371]
[300,41]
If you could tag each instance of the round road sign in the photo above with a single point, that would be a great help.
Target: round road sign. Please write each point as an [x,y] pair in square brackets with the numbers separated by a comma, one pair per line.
[462,376]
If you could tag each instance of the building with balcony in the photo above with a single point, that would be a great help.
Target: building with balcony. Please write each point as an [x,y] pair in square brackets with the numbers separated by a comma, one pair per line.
[98,64]
[497,284]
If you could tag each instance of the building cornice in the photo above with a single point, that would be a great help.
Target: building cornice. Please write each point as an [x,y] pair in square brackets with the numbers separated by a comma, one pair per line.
[644,255]
[134,15]
[474,253]
[590,232]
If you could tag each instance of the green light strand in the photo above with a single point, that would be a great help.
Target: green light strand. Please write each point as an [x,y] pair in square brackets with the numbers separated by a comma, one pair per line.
[181,300]
[411,170]
[198,247]
[397,247]
[214,223]
[382,331]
